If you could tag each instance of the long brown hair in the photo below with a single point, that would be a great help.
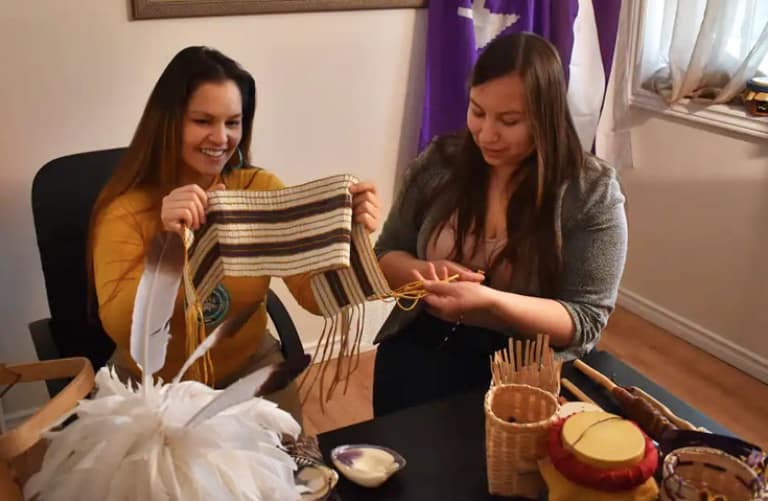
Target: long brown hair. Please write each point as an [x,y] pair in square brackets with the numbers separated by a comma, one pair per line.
[557,158]
[153,158]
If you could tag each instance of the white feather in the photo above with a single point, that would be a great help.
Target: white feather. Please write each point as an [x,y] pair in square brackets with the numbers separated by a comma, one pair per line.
[168,475]
[155,301]
[238,392]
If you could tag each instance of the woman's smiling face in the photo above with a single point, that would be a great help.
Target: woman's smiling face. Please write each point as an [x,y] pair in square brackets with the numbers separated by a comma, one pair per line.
[212,130]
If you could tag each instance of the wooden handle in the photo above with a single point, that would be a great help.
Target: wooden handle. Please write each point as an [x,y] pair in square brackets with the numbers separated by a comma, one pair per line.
[594,375]
[663,409]
[568,385]
[29,432]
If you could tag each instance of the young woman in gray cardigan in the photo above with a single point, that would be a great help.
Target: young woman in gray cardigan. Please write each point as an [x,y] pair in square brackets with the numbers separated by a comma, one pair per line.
[515,197]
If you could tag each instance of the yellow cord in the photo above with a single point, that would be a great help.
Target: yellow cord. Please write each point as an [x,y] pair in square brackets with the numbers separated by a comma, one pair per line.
[202,369]
[413,292]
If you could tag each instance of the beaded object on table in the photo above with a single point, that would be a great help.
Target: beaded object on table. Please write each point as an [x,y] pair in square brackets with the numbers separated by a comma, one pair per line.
[705,473]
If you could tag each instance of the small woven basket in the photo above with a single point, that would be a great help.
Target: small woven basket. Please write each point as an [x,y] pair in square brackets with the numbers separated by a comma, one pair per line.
[517,419]
[692,473]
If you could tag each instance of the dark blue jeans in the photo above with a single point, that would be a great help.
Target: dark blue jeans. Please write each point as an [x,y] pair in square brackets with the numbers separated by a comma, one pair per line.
[419,364]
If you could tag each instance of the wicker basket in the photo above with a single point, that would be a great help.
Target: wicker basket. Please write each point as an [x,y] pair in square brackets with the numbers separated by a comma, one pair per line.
[517,419]
[22,448]
[689,472]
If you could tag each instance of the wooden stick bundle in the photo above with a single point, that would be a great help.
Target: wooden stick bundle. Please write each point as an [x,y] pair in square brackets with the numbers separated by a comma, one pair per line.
[532,363]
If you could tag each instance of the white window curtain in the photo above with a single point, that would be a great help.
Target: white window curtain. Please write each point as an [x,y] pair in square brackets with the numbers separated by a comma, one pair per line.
[613,141]
[703,49]
[587,75]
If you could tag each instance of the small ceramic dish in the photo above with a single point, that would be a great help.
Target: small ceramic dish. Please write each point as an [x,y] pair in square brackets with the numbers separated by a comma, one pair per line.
[318,478]
[367,465]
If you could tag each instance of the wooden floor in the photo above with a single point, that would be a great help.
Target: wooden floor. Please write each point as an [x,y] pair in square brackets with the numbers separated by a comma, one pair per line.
[734,399]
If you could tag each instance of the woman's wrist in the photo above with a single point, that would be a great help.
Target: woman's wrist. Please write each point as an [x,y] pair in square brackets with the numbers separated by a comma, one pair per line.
[490,298]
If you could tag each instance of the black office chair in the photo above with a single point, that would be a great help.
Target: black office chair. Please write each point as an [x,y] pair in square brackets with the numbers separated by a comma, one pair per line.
[63,193]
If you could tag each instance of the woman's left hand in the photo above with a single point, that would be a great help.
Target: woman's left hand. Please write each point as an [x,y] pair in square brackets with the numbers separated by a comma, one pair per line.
[365,206]
[459,301]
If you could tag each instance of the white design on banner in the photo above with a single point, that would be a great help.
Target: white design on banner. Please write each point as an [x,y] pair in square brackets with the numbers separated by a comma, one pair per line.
[487,25]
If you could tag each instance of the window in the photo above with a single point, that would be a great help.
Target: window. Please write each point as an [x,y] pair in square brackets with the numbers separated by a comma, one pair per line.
[692,58]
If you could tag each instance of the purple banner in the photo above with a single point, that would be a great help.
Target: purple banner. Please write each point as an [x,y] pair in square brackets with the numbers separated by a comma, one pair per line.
[457,32]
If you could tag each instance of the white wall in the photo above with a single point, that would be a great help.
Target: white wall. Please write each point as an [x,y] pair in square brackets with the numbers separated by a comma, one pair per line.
[698,234]
[338,92]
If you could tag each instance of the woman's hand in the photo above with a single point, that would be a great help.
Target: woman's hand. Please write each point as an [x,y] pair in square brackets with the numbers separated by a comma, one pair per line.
[441,269]
[185,206]
[456,301]
[365,206]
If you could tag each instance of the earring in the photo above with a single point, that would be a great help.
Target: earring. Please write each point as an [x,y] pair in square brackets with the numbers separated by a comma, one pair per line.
[241,159]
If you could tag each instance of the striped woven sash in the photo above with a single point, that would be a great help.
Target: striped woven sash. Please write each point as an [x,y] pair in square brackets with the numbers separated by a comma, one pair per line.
[300,229]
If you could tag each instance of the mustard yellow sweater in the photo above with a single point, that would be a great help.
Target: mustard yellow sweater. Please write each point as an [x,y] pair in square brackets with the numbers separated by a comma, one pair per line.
[121,234]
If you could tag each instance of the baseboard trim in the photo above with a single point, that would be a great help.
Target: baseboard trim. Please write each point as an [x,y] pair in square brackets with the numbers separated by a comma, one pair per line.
[701,337]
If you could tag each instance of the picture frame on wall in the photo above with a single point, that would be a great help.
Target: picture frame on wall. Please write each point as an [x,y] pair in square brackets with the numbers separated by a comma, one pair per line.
[154,9]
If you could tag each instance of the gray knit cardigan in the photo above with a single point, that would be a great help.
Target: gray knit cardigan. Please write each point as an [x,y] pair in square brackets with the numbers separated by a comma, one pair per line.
[590,221]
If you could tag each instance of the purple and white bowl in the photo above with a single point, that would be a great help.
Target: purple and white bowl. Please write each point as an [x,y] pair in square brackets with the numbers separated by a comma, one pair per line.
[365,464]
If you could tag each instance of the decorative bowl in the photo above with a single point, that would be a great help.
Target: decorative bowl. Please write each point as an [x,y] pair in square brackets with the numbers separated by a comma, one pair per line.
[365,464]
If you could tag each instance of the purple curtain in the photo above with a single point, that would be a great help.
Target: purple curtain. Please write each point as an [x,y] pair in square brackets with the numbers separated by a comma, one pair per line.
[452,49]
[607,20]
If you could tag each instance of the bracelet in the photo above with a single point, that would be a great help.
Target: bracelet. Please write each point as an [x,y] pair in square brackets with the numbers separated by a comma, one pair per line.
[453,330]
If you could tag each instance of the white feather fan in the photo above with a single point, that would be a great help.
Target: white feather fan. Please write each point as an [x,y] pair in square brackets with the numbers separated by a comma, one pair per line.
[178,441]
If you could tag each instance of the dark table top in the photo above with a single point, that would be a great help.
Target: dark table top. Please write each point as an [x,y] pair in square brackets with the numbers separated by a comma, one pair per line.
[444,441]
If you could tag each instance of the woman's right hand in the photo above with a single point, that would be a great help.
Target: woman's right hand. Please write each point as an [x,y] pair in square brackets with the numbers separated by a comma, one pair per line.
[185,206]
[441,269]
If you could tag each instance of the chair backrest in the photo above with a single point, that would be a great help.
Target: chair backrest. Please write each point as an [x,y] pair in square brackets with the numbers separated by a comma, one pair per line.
[63,193]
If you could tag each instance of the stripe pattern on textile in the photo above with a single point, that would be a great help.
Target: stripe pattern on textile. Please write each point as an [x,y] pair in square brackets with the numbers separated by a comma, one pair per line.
[304,228]
[362,280]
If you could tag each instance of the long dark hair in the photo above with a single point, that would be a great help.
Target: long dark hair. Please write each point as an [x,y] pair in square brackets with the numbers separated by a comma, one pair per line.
[153,158]
[557,158]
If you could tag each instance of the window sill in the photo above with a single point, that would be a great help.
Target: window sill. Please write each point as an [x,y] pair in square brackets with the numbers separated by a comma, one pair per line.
[723,116]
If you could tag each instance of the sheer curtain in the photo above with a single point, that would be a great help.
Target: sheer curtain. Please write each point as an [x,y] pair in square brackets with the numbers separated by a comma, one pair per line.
[587,78]
[703,49]
[613,141]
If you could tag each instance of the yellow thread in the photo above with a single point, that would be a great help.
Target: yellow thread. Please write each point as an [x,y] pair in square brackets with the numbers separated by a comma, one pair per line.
[202,369]
[412,291]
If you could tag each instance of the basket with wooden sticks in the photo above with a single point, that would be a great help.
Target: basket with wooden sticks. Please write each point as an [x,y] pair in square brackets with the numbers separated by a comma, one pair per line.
[532,363]
[517,421]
